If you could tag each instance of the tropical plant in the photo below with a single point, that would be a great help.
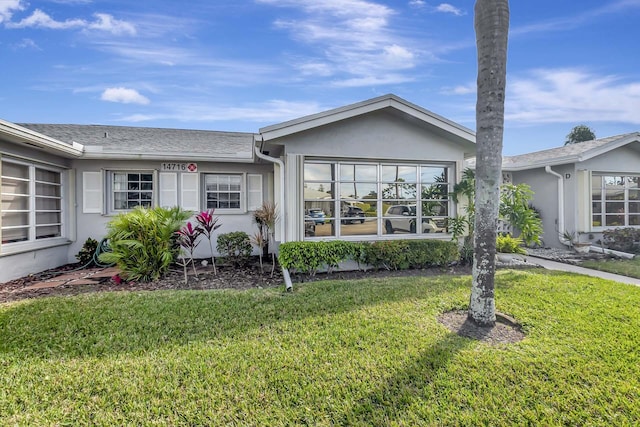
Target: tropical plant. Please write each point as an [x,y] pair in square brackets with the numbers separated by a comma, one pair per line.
[266,216]
[143,242]
[508,244]
[259,241]
[188,240]
[491,21]
[207,224]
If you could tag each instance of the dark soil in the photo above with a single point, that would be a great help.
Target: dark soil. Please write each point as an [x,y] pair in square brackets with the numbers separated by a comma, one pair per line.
[505,331]
[251,276]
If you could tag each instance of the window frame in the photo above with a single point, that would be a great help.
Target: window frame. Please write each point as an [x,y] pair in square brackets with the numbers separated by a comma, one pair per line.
[111,190]
[602,202]
[412,184]
[34,196]
[242,207]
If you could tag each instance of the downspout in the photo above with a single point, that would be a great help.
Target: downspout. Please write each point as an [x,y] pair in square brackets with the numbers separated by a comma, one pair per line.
[561,229]
[281,217]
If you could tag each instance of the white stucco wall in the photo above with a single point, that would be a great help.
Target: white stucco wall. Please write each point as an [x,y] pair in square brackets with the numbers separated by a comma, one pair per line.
[94,225]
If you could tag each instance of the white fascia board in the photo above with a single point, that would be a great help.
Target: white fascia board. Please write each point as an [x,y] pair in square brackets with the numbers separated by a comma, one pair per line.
[19,134]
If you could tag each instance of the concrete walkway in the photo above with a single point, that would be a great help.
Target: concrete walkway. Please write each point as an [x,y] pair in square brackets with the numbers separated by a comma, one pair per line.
[554,265]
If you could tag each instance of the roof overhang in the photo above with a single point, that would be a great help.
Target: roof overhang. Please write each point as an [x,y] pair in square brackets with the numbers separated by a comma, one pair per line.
[23,136]
[92,152]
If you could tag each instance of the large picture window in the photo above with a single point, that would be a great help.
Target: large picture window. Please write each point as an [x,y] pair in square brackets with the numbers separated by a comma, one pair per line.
[31,202]
[375,198]
[615,200]
[131,189]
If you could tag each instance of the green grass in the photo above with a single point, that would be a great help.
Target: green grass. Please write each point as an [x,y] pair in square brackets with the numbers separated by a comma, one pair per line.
[625,267]
[365,353]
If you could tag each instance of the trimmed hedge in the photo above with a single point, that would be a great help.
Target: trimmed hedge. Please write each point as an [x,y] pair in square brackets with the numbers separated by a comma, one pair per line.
[309,257]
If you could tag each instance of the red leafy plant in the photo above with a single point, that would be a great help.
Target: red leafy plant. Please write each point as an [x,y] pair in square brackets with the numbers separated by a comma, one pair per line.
[207,224]
[187,237]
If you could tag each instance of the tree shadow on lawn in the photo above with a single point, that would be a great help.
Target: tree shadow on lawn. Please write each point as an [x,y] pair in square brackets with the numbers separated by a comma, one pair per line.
[388,403]
[128,322]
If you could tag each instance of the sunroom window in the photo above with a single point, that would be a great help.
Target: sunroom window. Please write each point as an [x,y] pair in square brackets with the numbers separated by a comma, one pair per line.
[31,202]
[354,198]
[615,200]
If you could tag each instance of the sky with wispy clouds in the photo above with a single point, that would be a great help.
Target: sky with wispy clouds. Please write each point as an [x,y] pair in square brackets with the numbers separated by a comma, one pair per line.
[244,64]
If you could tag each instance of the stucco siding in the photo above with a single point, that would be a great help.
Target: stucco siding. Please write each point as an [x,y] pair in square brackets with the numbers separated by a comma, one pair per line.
[378,135]
[95,225]
[623,160]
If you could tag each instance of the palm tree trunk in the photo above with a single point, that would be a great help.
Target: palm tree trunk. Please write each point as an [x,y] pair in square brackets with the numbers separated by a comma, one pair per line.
[492,27]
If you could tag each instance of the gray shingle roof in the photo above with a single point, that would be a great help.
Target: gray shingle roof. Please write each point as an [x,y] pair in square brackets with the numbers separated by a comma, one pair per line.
[568,153]
[125,142]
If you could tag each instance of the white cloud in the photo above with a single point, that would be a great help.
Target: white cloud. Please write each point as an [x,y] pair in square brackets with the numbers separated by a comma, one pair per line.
[107,23]
[124,96]
[448,8]
[417,3]
[27,44]
[468,89]
[354,38]
[7,7]
[572,95]
[272,111]
[103,22]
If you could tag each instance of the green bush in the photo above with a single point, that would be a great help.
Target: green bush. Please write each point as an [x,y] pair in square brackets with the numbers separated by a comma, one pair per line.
[403,254]
[622,239]
[85,255]
[235,247]
[309,257]
[509,245]
[143,242]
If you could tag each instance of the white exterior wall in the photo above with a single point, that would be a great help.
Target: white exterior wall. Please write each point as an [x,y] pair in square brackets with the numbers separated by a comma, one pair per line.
[94,224]
[374,136]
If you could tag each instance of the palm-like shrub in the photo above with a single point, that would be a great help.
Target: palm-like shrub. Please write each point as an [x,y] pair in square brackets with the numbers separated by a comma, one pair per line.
[143,242]
[207,224]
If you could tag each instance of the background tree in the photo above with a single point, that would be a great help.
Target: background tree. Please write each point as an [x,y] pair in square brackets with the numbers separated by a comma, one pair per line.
[580,133]
[491,21]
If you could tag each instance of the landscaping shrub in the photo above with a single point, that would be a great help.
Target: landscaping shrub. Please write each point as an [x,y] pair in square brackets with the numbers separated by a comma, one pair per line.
[143,242]
[235,247]
[309,257]
[85,255]
[507,244]
[622,239]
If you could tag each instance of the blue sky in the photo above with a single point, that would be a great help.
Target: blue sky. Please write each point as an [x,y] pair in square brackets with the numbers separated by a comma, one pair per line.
[243,64]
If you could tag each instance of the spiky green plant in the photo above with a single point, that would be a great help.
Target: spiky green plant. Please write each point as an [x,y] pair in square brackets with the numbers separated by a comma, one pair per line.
[143,242]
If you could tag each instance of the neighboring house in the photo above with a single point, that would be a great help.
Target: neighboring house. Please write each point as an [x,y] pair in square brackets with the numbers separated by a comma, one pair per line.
[584,188]
[63,183]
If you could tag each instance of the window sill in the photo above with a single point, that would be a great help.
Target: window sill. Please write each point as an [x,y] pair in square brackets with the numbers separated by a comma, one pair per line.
[22,247]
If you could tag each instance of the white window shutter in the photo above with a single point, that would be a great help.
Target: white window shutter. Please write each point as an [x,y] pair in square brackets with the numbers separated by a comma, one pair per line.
[189,191]
[583,200]
[254,191]
[168,189]
[92,197]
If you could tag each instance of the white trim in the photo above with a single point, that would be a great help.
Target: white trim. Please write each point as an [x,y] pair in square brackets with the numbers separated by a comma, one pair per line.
[21,135]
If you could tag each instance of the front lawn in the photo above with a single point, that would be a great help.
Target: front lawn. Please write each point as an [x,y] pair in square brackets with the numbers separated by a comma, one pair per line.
[624,267]
[367,352]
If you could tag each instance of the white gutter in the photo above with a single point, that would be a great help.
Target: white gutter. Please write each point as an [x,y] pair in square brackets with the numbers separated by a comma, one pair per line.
[281,217]
[561,229]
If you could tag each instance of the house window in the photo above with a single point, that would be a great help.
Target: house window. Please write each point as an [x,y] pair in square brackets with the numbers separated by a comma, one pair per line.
[131,189]
[223,191]
[615,200]
[361,198]
[31,202]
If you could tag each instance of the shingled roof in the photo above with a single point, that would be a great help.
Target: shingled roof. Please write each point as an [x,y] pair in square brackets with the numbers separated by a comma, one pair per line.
[126,142]
[572,153]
